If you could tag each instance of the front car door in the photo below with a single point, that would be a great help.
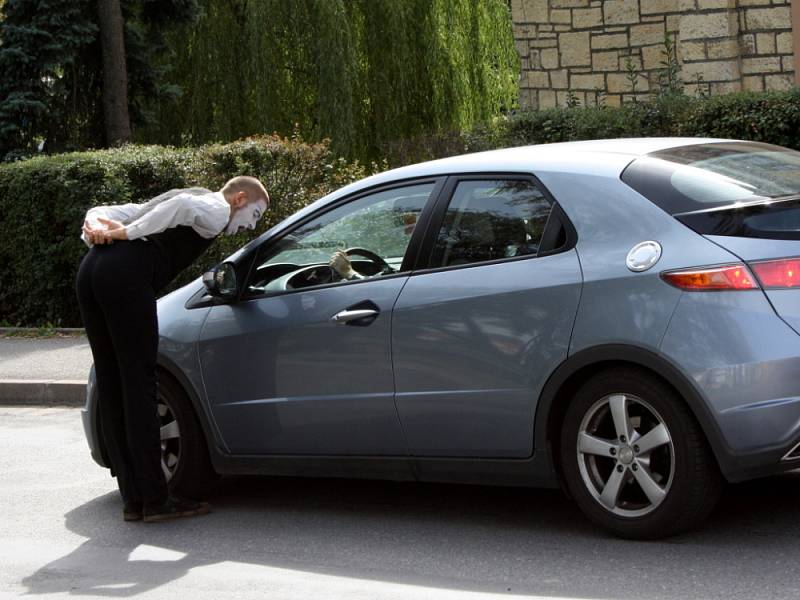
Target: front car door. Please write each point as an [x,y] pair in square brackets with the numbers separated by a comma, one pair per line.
[478,329]
[302,364]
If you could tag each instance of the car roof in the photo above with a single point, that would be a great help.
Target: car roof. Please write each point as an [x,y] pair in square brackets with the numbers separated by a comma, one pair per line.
[607,156]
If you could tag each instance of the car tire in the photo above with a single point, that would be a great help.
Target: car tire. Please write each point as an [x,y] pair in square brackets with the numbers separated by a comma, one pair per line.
[635,459]
[184,454]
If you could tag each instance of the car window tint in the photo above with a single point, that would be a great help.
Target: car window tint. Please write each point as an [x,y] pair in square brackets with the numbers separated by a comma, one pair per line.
[490,220]
[381,223]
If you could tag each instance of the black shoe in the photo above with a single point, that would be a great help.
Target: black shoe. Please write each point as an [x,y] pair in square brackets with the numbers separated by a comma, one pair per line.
[174,508]
[132,511]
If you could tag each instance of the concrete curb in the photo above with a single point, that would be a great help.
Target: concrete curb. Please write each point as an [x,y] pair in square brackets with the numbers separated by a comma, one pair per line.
[33,330]
[17,392]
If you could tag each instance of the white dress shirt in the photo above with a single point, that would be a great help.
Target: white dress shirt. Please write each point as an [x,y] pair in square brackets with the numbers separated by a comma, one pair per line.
[204,211]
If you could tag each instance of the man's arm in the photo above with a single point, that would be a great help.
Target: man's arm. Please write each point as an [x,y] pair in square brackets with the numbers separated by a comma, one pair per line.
[126,213]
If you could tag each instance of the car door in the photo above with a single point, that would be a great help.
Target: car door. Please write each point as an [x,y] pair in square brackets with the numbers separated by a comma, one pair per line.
[302,364]
[477,330]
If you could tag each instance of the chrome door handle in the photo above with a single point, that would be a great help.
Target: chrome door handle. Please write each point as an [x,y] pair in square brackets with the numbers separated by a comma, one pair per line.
[346,316]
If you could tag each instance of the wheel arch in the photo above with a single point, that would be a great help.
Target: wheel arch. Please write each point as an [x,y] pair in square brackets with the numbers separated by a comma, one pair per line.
[167,368]
[574,371]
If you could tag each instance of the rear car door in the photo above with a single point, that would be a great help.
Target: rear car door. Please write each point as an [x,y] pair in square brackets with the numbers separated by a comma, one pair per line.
[302,364]
[488,316]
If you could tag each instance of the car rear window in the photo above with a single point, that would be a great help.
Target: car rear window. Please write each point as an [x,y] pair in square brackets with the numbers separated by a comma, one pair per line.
[733,188]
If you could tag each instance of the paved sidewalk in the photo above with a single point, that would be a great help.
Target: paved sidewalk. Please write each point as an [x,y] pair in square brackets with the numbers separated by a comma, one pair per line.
[44,370]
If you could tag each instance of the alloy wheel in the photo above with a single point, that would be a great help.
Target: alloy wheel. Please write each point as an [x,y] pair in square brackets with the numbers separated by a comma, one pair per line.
[625,455]
[170,439]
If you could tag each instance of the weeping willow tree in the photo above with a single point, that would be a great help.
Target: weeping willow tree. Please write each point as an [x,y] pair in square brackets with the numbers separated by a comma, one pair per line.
[361,72]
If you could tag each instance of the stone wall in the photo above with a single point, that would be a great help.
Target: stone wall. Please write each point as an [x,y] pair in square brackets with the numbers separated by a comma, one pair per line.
[596,49]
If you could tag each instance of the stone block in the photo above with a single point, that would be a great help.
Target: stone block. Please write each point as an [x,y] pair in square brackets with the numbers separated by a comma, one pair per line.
[673,23]
[687,5]
[765,43]
[649,7]
[747,44]
[618,83]
[583,18]
[560,15]
[723,49]
[614,40]
[776,17]
[529,11]
[559,79]
[650,33]
[707,25]
[544,43]
[549,58]
[718,4]
[535,80]
[523,48]
[783,43]
[778,82]
[688,51]
[787,64]
[560,28]
[587,82]
[547,99]
[753,83]
[528,99]
[574,49]
[718,70]
[619,12]
[535,60]
[767,64]
[754,2]
[567,3]
[613,100]
[653,56]
[718,88]
[606,60]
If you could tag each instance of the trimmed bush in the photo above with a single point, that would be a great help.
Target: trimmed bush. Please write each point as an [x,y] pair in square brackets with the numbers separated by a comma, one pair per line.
[43,202]
[772,117]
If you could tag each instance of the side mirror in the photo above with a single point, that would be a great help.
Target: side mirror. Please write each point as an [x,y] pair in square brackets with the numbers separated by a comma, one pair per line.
[221,281]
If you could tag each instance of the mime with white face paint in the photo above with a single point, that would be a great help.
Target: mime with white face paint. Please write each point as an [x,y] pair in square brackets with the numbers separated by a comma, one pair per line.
[135,250]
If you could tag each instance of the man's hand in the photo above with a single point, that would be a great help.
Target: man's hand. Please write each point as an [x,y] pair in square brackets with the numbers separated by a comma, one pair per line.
[341,264]
[114,230]
[105,233]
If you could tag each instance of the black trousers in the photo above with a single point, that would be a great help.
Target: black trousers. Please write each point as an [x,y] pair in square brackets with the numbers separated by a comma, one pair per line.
[116,287]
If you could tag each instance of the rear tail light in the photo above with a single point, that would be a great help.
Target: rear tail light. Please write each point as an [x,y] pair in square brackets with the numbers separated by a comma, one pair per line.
[728,277]
[783,273]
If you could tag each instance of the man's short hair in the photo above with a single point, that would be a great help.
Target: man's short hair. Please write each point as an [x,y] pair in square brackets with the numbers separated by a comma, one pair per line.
[249,185]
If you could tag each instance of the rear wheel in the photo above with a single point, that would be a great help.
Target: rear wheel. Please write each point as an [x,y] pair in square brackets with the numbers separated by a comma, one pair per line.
[184,455]
[634,457]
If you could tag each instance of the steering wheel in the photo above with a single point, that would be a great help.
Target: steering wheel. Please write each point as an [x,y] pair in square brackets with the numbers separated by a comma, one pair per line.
[370,255]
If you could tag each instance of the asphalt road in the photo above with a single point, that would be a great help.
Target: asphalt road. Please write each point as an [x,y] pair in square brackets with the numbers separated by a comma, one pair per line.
[61,534]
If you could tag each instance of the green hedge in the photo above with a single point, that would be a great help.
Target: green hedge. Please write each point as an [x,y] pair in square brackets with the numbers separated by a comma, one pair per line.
[772,117]
[43,202]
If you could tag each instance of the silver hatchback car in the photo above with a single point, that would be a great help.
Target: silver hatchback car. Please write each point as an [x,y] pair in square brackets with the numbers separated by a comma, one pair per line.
[620,317]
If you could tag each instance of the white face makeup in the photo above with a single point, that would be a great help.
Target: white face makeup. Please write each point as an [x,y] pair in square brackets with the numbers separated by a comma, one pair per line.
[246,217]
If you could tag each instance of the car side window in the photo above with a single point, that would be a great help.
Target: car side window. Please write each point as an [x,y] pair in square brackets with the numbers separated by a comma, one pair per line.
[490,220]
[373,231]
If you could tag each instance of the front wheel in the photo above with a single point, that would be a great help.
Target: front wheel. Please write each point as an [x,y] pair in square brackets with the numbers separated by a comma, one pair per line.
[184,455]
[634,457]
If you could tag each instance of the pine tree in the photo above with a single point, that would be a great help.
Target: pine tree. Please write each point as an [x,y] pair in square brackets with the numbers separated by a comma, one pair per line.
[40,40]
[51,74]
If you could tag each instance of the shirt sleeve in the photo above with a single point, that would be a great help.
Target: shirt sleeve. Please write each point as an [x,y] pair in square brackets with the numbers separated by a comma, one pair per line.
[205,214]
[124,213]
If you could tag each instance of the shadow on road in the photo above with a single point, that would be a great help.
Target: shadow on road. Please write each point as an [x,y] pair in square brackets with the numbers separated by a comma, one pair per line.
[508,540]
